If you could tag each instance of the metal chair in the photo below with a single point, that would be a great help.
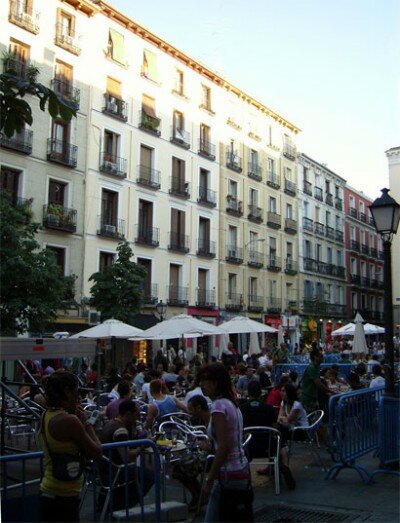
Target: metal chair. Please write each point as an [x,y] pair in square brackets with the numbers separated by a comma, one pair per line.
[270,440]
[311,437]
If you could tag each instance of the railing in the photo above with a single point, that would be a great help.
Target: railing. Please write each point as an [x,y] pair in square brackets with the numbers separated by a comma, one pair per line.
[254,171]
[330,232]
[206,248]
[364,249]
[115,107]
[67,39]
[234,206]
[308,224]
[234,161]
[233,302]
[179,187]
[289,151]
[111,228]
[67,91]
[147,235]
[150,294]
[339,235]
[290,187]
[319,228]
[255,303]
[206,149]
[273,180]
[329,199]
[365,281]
[180,137]
[255,259]
[362,217]
[381,255]
[308,264]
[16,67]
[21,141]
[273,220]
[354,245]
[59,218]
[338,203]
[255,214]
[318,194]
[355,279]
[318,306]
[148,176]
[207,196]
[19,16]
[234,254]
[371,221]
[274,305]
[205,298]
[388,434]
[178,296]
[274,263]
[111,164]
[353,212]
[307,187]
[290,226]
[374,252]
[178,242]
[149,123]
[291,266]
[284,368]
[62,152]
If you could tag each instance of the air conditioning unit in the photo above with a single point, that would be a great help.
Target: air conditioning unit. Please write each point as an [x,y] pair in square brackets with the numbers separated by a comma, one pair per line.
[94,318]
[110,229]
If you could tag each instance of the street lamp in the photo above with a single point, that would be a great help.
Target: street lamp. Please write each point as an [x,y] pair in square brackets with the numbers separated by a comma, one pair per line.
[386,215]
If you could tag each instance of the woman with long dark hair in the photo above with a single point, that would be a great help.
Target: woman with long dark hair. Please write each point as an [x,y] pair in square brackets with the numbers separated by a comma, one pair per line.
[230,469]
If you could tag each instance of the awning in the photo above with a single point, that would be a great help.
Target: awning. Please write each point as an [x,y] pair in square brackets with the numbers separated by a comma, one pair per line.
[33,349]
[117,51]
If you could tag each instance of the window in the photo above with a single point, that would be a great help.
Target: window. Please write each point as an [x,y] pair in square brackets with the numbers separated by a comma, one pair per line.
[289,211]
[306,173]
[272,248]
[353,264]
[339,258]
[57,193]
[60,136]
[253,197]
[106,259]
[204,177]
[253,286]
[9,182]
[328,218]
[111,146]
[318,252]
[146,159]
[148,295]
[59,254]
[329,255]
[178,223]
[65,26]
[206,97]
[113,88]
[232,189]
[204,234]
[272,204]
[306,210]
[109,208]
[288,174]
[232,284]
[116,49]
[145,219]
[178,171]
[202,281]
[363,269]
[149,66]
[352,233]
[204,136]
[289,250]
[175,275]
[232,236]
[307,249]
[63,72]
[271,166]
[179,82]
[19,58]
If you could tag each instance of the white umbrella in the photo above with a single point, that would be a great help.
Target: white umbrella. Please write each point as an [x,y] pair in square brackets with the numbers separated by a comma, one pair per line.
[109,329]
[254,347]
[369,328]
[243,325]
[180,326]
[348,330]
[280,336]
[359,342]
[223,344]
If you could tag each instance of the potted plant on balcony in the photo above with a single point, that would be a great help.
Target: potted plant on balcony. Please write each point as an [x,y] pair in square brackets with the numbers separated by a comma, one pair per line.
[54,214]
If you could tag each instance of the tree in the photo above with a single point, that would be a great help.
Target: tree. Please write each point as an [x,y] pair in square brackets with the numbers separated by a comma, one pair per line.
[117,289]
[15,112]
[32,286]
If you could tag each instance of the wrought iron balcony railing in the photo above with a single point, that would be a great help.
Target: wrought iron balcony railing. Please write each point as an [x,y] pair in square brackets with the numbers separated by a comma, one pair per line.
[309,264]
[178,296]
[59,218]
[364,249]
[362,217]
[110,227]
[274,305]
[273,180]
[329,199]
[353,212]
[290,226]
[274,263]
[319,228]
[318,194]
[206,149]
[150,294]
[355,279]
[16,67]
[207,197]
[115,107]
[289,151]
[62,152]
[374,252]
[255,259]
[67,92]
[254,171]
[67,39]
[148,177]
[290,187]
[178,242]
[233,301]
[307,187]
[339,235]
[234,161]
[308,224]
[180,137]
[110,164]
[205,248]
[354,246]
[179,187]
[291,266]
[273,220]
[330,232]
[149,236]
[255,303]
[234,254]
[19,16]
[205,298]
[255,214]
[21,141]
[148,123]
[234,206]
[338,203]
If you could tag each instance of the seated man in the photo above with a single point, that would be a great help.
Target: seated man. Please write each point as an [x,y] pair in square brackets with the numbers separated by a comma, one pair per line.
[243,381]
[162,405]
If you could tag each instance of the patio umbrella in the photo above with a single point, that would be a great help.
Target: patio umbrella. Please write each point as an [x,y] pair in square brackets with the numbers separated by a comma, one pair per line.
[346,330]
[254,346]
[109,329]
[223,344]
[369,328]
[280,336]
[359,342]
[243,325]
[180,326]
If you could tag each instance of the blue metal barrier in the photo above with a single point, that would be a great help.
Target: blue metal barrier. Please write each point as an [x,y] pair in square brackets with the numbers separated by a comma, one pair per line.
[26,478]
[285,368]
[353,429]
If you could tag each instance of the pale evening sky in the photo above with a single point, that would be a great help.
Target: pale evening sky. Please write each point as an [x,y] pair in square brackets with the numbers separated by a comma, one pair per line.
[331,67]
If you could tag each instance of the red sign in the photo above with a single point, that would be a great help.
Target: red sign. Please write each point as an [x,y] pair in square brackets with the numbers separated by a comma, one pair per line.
[273,321]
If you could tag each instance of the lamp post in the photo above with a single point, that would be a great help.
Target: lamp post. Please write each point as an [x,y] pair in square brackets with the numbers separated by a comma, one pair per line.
[320,331]
[386,215]
[161,308]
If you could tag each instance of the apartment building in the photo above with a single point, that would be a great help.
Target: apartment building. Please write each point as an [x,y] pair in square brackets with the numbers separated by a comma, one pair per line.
[321,247]
[364,259]
[197,175]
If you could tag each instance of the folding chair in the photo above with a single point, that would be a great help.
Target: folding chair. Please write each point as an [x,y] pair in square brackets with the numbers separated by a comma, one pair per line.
[311,437]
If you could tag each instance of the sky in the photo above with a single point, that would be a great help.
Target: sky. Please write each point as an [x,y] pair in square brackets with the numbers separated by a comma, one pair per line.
[331,67]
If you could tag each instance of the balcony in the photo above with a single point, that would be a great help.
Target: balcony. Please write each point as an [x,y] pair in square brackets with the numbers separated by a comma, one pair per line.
[338,204]
[290,226]
[148,177]
[206,149]
[381,255]
[115,107]
[149,236]
[339,236]
[274,263]
[255,259]
[233,302]
[255,303]
[180,137]
[21,142]
[67,92]
[329,199]
[309,264]
[62,152]
[330,232]
[205,248]
[205,299]
[365,282]
[274,305]
[59,218]
[273,180]
[254,172]
[234,206]
[354,246]
[320,307]
[255,214]
[207,197]
[112,228]
[179,187]
[178,296]
[374,252]
[353,212]
[291,266]
[319,229]
[318,194]
[67,39]
[355,279]
[178,242]
[273,220]
[234,254]
[17,68]
[289,151]
[290,188]
[362,217]
[114,165]
[149,124]
[364,249]
[371,221]
[18,15]
[234,161]
[307,187]
[150,294]
[308,224]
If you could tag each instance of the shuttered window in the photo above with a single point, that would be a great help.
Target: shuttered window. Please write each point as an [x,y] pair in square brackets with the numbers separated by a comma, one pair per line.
[113,87]
[148,106]
[149,67]
[116,46]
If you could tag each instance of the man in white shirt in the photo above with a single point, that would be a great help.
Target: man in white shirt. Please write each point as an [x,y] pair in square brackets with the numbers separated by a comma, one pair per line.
[378,380]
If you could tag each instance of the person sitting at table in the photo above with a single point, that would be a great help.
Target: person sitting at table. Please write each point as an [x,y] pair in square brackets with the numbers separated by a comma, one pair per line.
[244,380]
[184,379]
[162,405]
[263,377]
[378,380]
[170,376]
[125,393]
[274,397]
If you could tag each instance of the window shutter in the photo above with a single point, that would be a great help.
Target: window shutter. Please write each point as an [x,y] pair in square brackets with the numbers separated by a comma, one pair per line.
[150,65]
[145,156]
[148,106]
[117,41]
[113,87]
[28,7]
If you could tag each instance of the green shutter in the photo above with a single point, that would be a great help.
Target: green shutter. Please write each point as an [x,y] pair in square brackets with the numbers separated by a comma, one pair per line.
[150,65]
[117,40]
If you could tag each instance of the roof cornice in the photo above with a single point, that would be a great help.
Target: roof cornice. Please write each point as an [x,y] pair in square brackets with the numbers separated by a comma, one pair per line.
[84,6]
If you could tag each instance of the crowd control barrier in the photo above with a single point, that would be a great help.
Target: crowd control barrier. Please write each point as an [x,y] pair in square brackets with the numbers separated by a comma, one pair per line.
[353,429]
[21,474]
[285,368]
